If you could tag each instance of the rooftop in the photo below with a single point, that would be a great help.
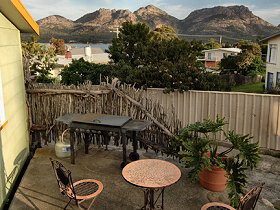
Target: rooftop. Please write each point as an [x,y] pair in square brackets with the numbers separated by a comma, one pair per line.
[232,49]
[270,37]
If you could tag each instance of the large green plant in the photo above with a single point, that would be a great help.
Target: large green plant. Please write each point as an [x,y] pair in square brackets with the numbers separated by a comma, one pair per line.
[200,151]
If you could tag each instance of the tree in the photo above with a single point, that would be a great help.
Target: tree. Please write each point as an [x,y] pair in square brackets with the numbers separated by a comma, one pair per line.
[171,64]
[80,71]
[131,45]
[250,51]
[229,64]
[164,33]
[212,44]
[39,60]
[248,62]
[143,58]
[58,45]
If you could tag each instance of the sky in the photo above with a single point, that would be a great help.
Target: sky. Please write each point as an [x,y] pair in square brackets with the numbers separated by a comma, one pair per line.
[268,10]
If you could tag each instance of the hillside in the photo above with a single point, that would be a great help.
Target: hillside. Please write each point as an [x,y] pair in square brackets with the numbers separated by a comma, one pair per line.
[232,21]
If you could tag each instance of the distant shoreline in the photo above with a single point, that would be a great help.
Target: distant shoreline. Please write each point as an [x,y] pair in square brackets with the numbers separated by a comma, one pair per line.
[103,46]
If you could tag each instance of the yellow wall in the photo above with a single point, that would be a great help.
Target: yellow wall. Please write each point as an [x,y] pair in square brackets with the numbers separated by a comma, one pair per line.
[14,138]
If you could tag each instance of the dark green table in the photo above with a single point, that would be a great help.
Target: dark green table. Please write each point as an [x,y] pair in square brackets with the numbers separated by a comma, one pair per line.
[105,124]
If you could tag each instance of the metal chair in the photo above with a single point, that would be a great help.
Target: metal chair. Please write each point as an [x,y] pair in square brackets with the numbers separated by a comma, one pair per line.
[79,191]
[247,202]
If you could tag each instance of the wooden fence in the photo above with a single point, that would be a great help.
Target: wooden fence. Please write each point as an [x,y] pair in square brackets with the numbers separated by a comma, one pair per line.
[48,102]
[254,114]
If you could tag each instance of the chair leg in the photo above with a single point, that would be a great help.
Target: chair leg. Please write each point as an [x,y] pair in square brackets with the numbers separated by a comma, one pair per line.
[82,207]
[79,204]
[67,204]
[91,203]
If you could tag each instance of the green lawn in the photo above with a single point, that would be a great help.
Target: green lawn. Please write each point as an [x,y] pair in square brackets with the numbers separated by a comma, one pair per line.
[249,88]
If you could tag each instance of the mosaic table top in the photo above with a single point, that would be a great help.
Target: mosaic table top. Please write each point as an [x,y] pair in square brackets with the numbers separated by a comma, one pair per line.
[151,173]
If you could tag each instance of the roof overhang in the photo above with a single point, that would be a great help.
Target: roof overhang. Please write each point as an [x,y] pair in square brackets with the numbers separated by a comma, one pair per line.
[15,12]
[233,50]
[270,37]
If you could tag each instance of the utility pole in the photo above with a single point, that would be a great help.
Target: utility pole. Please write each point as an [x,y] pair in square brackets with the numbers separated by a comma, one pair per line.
[221,37]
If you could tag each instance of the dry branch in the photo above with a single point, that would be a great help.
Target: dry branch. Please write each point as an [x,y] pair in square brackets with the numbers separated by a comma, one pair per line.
[120,93]
[65,91]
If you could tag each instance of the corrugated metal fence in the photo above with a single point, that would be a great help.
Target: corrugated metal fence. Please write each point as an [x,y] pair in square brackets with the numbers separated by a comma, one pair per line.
[254,114]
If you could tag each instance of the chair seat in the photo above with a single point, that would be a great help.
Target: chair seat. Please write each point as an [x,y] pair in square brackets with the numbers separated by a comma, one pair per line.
[87,188]
[217,206]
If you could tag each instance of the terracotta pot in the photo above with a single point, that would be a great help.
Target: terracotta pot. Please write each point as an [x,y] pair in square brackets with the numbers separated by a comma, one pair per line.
[214,180]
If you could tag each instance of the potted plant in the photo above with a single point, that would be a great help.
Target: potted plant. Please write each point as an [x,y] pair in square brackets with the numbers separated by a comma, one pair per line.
[213,165]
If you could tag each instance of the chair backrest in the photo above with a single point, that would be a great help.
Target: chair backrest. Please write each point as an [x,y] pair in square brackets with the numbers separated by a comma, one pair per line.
[249,201]
[64,179]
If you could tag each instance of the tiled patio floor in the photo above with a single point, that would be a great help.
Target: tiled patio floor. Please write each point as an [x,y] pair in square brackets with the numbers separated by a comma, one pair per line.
[38,189]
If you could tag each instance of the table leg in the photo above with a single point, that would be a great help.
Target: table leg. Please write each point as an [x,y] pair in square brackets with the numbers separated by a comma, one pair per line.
[149,200]
[86,140]
[162,198]
[72,143]
[152,198]
[124,163]
[106,136]
[134,155]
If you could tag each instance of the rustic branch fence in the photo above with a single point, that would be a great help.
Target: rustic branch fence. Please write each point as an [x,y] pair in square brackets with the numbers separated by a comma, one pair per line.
[47,102]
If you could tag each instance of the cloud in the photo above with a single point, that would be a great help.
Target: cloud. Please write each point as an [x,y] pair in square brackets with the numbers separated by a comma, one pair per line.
[178,10]
[272,15]
[65,8]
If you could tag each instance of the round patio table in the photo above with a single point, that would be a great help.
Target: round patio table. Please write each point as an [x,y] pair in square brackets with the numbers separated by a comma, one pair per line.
[153,175]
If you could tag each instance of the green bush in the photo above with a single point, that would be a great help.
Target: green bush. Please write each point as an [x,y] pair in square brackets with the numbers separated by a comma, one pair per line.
[80,71]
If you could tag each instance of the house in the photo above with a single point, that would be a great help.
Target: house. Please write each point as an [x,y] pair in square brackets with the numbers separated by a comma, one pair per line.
[14,133]
[213,57]
[93,55]
[272,78]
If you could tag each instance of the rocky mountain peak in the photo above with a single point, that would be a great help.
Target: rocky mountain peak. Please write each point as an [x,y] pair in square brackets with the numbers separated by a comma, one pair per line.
[102,15]
[150,9]
[230,12]
[232,21]
[53,20]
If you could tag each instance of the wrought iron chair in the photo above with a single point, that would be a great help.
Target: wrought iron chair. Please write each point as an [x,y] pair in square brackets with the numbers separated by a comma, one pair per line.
[79,191]
[247,202]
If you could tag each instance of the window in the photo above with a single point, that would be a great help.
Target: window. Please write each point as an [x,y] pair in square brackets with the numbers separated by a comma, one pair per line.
[272,53]
[278,79]
[2,111]
[209,56]
[269,80]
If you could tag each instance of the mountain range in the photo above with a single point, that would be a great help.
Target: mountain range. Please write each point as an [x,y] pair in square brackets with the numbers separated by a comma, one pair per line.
[233,22]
